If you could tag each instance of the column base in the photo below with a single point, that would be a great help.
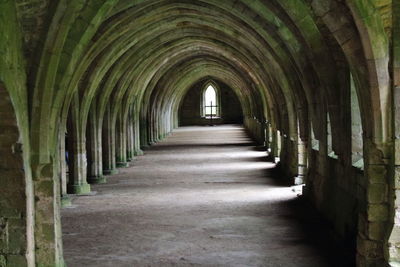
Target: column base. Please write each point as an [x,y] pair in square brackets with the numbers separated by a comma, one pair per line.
[145,146]
[139,152]
[66,201]
[122,164]
[299,180]
[270,158]
[129,155]
[110,172]
[79,189]
[97,180]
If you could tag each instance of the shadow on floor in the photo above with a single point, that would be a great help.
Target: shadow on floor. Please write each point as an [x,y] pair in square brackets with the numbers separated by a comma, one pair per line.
[319,234]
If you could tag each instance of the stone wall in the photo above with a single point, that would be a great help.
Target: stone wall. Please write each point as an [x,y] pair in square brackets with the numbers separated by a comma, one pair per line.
[13,227]
[190,110]
[336,194]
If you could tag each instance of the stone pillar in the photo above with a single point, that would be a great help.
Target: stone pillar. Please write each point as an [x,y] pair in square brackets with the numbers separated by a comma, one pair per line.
[62,172]
[374,213]
[266,134]
[322,158]
[151,128]
[302,162]
[77,183]
[278,144]
[138,150]
[131,135]
[121,142]
[394,240]
[94,148]
[288,157]
[48,241]
[108,143]
[144,141]
[273,145]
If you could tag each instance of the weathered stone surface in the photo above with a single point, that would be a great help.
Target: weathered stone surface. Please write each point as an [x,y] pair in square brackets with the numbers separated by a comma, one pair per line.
[378,212]
[85,85]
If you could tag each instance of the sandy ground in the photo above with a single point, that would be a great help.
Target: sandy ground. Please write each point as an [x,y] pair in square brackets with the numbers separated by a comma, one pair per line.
[205,196]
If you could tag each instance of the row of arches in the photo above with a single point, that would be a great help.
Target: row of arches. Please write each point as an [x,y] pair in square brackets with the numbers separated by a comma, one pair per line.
[112,74]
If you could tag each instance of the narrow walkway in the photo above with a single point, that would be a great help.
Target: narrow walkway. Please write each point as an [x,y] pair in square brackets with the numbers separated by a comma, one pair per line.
[204,196]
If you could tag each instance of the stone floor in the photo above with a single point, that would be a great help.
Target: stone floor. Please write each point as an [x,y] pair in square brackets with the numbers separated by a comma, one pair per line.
[205,196]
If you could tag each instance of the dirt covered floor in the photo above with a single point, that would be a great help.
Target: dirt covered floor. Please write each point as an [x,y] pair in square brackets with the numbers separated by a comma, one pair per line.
[205,196]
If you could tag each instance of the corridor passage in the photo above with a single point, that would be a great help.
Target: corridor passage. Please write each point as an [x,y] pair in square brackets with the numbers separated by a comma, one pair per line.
[205,196]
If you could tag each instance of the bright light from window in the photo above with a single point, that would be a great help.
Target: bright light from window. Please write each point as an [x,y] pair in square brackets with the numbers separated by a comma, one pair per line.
[211,101]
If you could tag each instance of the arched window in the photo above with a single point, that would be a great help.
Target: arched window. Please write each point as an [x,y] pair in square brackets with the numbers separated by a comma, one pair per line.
[210,102]
[356,128]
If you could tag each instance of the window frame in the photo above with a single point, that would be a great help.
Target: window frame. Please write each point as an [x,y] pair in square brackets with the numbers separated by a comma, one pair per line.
[203,100]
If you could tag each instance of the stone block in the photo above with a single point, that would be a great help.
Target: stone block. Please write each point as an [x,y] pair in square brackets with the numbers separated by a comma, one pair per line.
[377,212]
[8,211]
[376,193]
[48,232]
[376,231]
[397,177]
[376,173]
[361,260]
[16,260]
[369,248]
[45,187]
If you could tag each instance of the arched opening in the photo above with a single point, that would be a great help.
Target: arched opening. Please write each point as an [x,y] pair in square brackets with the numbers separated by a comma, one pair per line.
[357,154]
[210,102]
[210,105]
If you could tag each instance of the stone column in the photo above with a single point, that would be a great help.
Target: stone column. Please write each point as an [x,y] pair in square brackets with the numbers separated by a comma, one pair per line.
[273,144]
[62,172]
[130,135]
[151,128]
[302,162]
[120,137]
[373,219]
[394,240]
[108,143]
[94,148]
[77,183]
[47,228]
[138,150]
[288,157]
[266,135]
[278,144]
[144,141]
